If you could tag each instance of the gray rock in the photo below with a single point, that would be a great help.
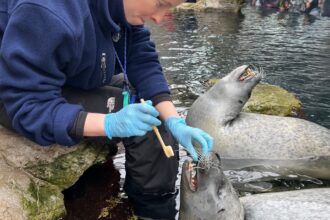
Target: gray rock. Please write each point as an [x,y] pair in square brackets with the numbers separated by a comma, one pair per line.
[220,5]
[32,177]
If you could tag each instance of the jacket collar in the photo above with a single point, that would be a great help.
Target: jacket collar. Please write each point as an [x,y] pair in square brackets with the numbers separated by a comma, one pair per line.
[110,14]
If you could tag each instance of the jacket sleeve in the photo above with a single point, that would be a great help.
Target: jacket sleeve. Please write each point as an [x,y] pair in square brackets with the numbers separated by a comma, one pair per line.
[143,67]
[36,55]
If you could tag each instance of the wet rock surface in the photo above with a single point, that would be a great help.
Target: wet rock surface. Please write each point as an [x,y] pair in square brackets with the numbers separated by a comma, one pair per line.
[32,177]
[209,5]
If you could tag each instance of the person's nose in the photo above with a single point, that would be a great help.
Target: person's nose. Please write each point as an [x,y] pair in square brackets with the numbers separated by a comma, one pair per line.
[158,17]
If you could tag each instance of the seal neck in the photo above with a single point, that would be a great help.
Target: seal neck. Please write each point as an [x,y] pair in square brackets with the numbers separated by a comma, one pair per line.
[223,103]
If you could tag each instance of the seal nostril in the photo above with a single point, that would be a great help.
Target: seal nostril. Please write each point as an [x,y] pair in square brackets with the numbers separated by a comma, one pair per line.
[240,102]
[221,210]
[249,94]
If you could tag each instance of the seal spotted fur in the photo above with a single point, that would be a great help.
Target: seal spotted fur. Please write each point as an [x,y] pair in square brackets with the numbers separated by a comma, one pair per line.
[283,144]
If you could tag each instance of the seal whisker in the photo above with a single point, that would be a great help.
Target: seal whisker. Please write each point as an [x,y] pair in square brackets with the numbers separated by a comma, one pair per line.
[258,70]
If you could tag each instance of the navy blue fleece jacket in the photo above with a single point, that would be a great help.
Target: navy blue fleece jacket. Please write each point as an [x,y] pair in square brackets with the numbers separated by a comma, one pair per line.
[46,44]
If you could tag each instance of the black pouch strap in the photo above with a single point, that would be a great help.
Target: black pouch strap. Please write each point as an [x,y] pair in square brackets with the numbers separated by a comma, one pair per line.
[4,118]
[101,100]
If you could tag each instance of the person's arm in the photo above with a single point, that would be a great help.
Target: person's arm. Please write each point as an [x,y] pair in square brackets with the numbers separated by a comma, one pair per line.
[94,125]
[183,133]
[143,67]
[36,47]
[166,109]
[132,120]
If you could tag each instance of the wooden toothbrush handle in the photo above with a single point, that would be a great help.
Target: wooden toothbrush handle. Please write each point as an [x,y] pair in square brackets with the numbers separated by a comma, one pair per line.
[158,136]
[156,131]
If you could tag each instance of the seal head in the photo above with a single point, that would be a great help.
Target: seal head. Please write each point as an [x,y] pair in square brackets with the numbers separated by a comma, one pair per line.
[228,96]
[206,193]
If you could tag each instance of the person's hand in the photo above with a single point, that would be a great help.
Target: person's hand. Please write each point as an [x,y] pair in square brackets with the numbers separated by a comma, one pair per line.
[132,120]
[185,134]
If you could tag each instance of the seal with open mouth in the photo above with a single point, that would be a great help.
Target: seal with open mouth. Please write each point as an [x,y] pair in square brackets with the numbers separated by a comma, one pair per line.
[244,140]
[206,193]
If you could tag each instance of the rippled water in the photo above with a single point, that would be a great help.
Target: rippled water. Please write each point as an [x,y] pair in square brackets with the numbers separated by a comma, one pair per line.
[293,49]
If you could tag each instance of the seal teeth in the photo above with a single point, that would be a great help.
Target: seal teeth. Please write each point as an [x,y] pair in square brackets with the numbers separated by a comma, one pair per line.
[251,72]
[192,176]
[193,171]
[248,73]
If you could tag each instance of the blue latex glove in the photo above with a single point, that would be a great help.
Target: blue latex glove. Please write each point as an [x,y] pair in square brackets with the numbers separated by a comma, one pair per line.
[132,120]
[185,134]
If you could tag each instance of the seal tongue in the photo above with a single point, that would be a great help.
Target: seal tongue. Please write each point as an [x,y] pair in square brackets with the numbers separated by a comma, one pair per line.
[247,74]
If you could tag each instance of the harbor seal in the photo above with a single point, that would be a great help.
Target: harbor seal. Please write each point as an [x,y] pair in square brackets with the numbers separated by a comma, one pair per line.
[206,193]
[283,145]
[297,204]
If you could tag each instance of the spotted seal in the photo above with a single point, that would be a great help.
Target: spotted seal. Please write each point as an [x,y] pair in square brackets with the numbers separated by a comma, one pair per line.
[206,193]
[244,140]
[297,204]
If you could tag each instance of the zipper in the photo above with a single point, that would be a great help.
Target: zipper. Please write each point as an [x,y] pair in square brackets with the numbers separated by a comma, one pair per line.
[104,67]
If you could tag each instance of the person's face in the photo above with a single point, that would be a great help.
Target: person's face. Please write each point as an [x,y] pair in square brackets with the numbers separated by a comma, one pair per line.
[139,11]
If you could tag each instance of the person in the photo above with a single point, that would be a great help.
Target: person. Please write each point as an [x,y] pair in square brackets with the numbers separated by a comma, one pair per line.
[311,7]
[325,7]
[283,5]
[75,69]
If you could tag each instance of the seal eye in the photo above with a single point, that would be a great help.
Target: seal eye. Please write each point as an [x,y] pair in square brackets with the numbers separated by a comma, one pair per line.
[248,73]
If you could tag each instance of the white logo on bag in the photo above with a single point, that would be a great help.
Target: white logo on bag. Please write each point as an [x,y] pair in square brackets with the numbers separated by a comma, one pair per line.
[111,103]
